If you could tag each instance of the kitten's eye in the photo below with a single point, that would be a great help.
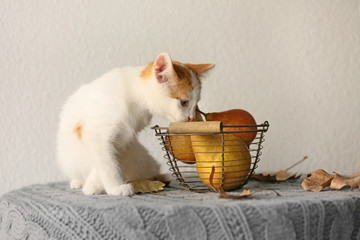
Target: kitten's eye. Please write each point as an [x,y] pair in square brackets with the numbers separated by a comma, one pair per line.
[184,103]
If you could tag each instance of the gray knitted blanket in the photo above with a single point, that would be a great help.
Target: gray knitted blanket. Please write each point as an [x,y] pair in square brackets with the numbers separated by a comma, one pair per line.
[53,211]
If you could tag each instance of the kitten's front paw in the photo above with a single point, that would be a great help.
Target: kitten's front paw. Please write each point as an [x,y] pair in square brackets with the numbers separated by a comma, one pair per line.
[93,189]
[122,190]
[76,184]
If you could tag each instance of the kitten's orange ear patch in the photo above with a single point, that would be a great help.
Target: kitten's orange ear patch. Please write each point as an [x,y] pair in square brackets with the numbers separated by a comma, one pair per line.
[78,130]
[200,68]
[146,73]
[183,82]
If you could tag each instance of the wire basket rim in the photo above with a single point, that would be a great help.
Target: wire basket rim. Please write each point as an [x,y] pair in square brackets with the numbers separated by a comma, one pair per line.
[259,128]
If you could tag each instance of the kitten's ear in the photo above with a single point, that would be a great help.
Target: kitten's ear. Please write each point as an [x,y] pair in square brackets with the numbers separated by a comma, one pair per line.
[163,68]
[200,69]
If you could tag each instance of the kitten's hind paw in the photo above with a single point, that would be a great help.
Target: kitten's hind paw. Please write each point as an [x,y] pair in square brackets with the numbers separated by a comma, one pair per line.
[76,184]
[126,190]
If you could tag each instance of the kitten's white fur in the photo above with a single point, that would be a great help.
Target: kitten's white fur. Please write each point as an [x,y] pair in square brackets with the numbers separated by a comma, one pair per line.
[111,111]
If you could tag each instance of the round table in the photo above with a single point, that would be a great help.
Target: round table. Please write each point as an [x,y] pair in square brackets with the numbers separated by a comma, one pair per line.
[53,211]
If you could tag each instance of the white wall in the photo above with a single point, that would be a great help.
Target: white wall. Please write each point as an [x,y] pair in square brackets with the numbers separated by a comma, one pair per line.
[293,63]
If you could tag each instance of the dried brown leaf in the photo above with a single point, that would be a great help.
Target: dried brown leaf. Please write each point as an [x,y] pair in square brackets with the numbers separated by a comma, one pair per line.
[317,180]
[327,183]
[243,194]
[340,181]
[211,177]
[309,184]
[264,177]
[147,186]
[281,175]
[355,174]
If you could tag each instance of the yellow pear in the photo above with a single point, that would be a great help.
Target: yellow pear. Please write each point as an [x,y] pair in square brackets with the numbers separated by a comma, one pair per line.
[208,153]
[181,147]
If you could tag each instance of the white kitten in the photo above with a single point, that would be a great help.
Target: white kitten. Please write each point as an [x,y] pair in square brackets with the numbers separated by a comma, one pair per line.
[97,145]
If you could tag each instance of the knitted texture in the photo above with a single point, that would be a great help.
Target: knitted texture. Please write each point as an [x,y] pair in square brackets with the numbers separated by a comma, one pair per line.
[53,211]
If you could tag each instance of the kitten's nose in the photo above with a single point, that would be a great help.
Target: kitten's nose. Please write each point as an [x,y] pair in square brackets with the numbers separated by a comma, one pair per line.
[190,119]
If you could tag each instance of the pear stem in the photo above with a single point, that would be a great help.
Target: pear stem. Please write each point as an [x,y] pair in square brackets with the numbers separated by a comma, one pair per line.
[204,114]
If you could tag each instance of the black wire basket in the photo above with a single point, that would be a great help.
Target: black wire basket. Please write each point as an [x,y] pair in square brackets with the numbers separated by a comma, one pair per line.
[201,161]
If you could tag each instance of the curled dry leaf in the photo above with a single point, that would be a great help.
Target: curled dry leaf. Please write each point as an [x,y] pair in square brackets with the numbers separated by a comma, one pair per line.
[245,193]
[265,177]
[147,186]
[281,175]
[317,180]
[340,181]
